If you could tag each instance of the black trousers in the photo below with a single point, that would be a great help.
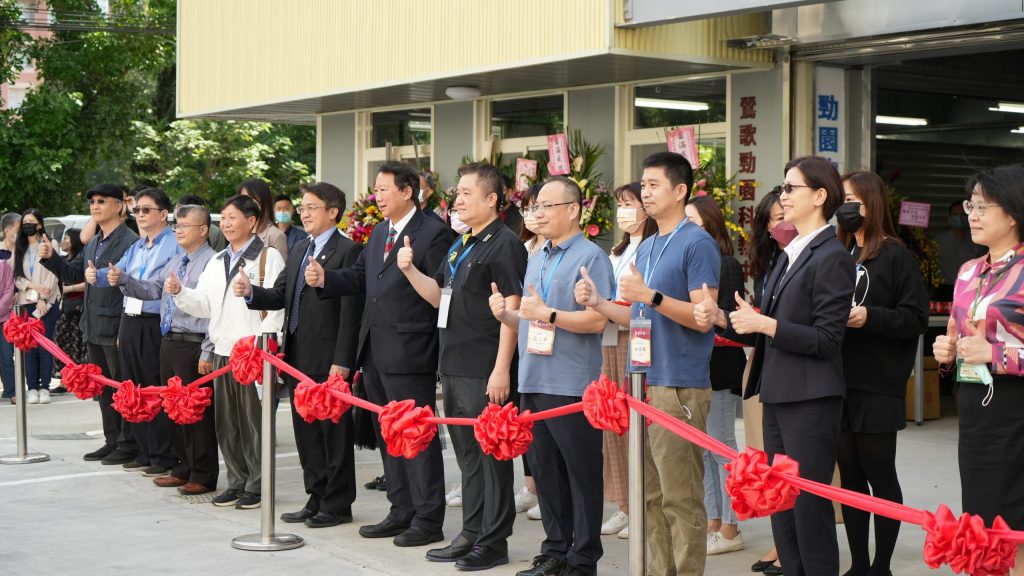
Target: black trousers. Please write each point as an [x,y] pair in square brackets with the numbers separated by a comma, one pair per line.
[415,487]
[139,339]
[488,500]
[807,432]
[115,433]
[194,446]
[327,457]
[568,466]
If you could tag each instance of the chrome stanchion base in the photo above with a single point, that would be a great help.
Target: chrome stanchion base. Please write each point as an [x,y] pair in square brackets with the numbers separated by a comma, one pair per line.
[256,542]
[31,458]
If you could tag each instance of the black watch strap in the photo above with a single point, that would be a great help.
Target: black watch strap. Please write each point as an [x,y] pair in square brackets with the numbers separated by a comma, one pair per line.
[656,299]
[551,319]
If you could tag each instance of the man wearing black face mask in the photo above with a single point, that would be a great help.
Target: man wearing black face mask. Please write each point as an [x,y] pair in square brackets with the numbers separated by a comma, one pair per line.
[955,248]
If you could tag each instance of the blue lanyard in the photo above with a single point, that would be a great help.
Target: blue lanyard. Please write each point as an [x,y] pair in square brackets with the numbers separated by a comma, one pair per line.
[623,262]
[546,289]
[33,258]
[454,268]
[649,270]
[152,254]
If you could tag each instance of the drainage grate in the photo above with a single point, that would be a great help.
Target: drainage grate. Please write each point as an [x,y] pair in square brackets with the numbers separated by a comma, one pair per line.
[75,436]
[199,498]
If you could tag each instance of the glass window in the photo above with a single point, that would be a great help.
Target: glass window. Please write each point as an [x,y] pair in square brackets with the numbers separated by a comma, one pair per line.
[679,104]
[401,127]
[528,117]
[15,96]
[710,150]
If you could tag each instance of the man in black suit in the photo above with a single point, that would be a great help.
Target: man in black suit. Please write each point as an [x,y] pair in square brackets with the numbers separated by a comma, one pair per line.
[398,345]
[323,343]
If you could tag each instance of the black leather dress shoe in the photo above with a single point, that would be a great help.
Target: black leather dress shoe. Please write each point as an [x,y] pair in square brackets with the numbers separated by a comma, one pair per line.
[482,558]
[372,484]
[773,570]
[325,519]
[418,537]
[385,529]
[100,454]
[459,547]
[543,565]
[298,515]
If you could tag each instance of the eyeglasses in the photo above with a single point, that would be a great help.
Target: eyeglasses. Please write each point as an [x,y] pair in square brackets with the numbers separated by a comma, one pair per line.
[308,208]
[184,227]
[101,201]
[144,210]
[535,209]
[979,208]
[788,188]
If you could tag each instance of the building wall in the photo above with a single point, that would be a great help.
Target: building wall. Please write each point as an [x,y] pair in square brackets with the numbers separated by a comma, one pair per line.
[452,138]
[592,112]
[336,153]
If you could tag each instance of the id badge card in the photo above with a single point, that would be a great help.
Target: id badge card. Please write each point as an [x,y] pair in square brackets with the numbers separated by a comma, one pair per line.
[442,309]
[611,335]
[540,339]
[640,344]
[31,296]
[972,373]
[132,306]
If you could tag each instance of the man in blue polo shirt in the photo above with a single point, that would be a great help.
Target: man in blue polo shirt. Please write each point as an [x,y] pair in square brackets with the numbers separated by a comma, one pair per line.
[559,355]
[672,268]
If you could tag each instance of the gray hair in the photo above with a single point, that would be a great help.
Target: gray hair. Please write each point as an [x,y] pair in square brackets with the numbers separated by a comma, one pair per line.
[187,209]
[8,220]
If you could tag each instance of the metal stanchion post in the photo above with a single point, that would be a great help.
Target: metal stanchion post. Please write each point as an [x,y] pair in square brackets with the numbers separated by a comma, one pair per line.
[23,456]
[637,483]
[267,540]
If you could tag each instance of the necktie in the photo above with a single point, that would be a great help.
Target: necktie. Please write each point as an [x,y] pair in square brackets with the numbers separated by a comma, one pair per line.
[165,320]
[392,233]
[300,283]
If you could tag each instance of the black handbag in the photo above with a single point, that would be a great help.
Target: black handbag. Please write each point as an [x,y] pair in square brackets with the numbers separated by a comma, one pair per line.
[72,306]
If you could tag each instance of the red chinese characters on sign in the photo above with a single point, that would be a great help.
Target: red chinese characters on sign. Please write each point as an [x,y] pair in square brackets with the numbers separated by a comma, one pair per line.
[747,135]
[746,190]
[558,152]
[748,107]
[746,216]
[683,141]
[748,163]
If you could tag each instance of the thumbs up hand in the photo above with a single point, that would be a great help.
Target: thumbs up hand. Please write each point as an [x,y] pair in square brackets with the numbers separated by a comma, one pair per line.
[533,306]
[974,348]
[172,285]
[497,303]
[745,320]
[241,286]
[945,346]
[404,258]
[586,291]
[314,274]
[90,273]
[45,248]
[113,274]
[705,312]
[632,287]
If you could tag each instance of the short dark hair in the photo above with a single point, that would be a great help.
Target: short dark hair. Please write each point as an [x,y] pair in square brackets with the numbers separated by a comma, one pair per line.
[259,190]
[821,173]
[244,204]
[488,177]
[158,196]
[1004,186]
[404,175]
[283,198]
[569,188]
[184,210]
[332,196]
[677,169]
[191,200]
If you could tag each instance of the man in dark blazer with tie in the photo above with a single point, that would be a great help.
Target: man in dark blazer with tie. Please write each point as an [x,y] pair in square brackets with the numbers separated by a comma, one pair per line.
[398,345]
[320,340]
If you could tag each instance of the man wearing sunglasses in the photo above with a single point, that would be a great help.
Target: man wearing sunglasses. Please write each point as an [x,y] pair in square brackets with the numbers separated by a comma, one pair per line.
[101,316]
[146,261]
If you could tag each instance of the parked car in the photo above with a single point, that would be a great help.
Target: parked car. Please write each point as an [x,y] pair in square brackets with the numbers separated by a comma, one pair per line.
[56,225]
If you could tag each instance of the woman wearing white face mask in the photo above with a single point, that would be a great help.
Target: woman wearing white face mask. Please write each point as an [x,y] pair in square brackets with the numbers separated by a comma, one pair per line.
[528,233]
[635,225]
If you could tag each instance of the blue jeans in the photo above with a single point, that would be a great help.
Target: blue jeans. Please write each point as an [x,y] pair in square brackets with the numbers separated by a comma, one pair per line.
[721,427]
[39,362]
[6,364]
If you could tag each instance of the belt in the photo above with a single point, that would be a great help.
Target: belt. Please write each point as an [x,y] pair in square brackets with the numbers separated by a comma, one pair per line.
[143,315]
[185,337]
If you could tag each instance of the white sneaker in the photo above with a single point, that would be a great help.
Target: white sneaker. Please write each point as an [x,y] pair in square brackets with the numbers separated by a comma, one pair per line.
[525,500]
[454,498]
[624,533]
[33,397]
[615,524]
[533,513]
[44,396]
[718,544]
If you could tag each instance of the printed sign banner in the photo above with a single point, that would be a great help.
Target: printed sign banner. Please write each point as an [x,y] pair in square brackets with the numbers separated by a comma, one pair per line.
[526,172]
[915,213]
[683,141]
[558,152]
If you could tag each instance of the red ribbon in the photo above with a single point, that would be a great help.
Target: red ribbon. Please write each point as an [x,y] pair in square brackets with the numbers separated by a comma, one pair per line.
[604,405]
[754,489]
[405,429]
[965,545]
[502,433]
[246,361]
[18,331]
[185,404]
[76,378]
[134,405]
[318,402]
[723,342]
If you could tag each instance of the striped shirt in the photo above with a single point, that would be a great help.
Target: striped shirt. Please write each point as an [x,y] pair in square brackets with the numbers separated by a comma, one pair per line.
[992,295]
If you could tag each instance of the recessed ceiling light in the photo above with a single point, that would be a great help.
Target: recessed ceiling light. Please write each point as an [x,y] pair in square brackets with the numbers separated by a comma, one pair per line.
[1009,107]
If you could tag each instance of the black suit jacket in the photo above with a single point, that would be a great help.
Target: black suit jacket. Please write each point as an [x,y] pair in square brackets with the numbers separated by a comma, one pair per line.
[811,304]
[399,327]
[328,328]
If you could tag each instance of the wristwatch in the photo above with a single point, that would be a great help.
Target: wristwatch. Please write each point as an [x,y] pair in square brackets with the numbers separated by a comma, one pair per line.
[554,314]
[656,299]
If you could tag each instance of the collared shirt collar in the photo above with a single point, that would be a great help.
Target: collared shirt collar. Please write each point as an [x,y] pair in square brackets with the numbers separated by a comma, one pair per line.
[488,232]
[548,247]
[158,238]
[401,224]
[797,246]
[321,240]
[250,251]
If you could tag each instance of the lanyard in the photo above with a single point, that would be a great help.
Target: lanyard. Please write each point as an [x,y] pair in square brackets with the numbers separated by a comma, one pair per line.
[978,294]
[624,261]
[152,254]
[546,289]
[33,258]
[453,267]
[649,269]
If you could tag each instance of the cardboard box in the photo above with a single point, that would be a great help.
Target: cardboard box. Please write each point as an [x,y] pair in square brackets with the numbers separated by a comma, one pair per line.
[930,363]
[931,396]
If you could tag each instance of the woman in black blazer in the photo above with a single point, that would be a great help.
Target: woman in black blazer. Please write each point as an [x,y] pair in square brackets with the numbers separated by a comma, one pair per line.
[798,367]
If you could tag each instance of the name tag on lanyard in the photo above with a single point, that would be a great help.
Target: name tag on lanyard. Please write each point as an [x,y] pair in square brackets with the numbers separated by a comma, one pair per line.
[540,338]
[640,344]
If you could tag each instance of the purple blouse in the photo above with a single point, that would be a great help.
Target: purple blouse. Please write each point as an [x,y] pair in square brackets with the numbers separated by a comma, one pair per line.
[993,296]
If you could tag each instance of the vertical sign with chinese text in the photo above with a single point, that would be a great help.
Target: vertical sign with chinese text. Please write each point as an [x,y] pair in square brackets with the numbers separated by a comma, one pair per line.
[830,111]
[558,152]
[683,141]
[526,173]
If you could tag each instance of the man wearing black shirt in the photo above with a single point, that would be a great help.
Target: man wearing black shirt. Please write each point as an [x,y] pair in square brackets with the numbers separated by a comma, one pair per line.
[476,358]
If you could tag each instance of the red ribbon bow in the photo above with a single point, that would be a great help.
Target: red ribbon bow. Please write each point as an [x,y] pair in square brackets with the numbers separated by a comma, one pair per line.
[501,433]
[185,404]
[316,402]
[965,545]
[604,405]
[135,406]
[18,331]
[246,361]
[754,491]
[405,429]
[76,378]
